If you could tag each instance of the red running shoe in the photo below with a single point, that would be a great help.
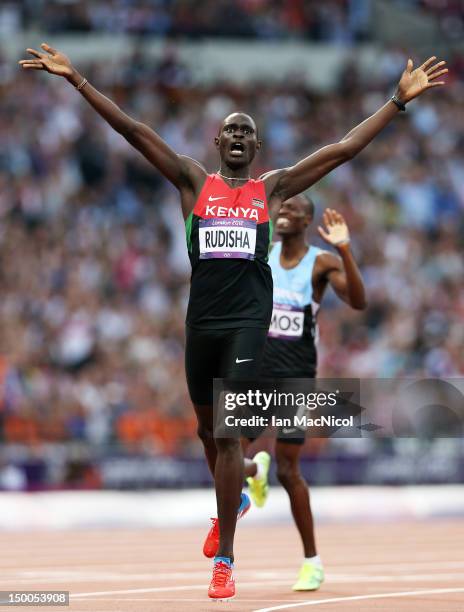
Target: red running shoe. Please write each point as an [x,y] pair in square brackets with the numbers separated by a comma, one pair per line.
[222,584]
[212,540]
[211,544]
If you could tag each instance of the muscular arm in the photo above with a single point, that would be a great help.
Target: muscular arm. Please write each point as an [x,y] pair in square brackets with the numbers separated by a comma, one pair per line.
[343,274]
[139,135]
[308,171]
[181,171]
[296,179]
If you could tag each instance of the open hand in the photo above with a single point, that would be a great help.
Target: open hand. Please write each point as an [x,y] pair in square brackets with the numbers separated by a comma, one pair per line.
[415,82]
[336,232]
[52,61]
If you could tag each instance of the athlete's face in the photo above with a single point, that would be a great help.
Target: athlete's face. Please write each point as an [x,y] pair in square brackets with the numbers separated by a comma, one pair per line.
[294,217]
[237,140]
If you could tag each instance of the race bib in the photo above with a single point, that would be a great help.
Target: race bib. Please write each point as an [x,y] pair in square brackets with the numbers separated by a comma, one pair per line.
[227,238]
[287,322]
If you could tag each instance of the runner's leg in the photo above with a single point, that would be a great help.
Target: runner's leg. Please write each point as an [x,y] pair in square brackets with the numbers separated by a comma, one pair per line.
[289,475]
[241,359]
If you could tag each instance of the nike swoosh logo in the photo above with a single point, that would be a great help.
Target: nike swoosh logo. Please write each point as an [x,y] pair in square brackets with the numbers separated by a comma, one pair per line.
[237,360]
[211,199]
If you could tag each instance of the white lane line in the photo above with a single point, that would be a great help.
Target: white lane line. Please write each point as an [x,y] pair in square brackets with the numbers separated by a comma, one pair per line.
[319,602]
[407,566]
[179,599]
[330,580]
[119,569]
[269,578]
[192,587]
[437,577]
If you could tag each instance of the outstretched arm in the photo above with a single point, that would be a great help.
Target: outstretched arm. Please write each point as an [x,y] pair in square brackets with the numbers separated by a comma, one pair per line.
[342,272]
[291,181]
[174,167]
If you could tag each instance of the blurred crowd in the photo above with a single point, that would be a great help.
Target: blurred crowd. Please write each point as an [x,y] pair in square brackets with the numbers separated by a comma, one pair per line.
[94,271]
[449,15]
[337,21]
[344,22]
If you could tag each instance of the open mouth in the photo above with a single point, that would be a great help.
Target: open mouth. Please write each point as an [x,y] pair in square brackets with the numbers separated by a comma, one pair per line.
[237,148]
[282,222]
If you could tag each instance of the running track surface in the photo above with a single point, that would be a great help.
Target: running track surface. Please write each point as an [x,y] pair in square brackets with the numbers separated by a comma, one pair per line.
[417,566]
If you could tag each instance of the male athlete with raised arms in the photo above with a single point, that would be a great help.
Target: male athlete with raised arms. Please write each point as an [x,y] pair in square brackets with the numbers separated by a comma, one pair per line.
[301,274]
[228,218]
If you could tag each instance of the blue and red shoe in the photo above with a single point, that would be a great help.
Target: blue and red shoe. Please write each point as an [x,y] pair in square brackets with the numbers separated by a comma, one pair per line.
[211,545]
[222,584]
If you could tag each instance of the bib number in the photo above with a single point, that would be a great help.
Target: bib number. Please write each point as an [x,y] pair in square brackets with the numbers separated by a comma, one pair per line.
[287,322]
[227,238]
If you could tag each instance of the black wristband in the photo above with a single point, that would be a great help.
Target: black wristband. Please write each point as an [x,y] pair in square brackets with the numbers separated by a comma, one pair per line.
[398,102]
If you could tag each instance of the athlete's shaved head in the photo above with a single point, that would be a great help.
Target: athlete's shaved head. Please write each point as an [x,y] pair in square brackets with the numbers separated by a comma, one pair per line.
[306,203]
[238,118]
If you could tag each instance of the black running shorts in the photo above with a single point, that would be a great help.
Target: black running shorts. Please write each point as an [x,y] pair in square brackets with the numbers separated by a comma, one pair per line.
[234,353]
